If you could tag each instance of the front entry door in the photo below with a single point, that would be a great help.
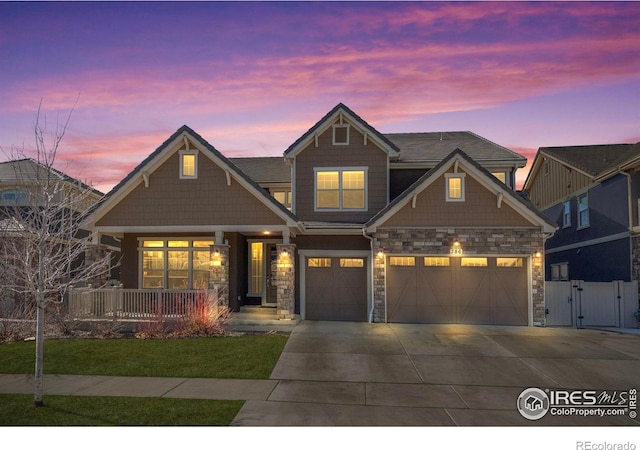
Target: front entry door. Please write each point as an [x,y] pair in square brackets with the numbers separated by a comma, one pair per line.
[270,299]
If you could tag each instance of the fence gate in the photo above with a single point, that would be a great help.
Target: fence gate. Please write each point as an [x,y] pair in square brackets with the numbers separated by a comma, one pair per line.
[579,303]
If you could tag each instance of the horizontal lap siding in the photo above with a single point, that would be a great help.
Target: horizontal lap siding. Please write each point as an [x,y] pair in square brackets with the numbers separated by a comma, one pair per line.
[356,154]
[207,200]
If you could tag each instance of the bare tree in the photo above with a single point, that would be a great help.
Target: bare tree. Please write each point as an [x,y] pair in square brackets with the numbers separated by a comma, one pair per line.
[45,244]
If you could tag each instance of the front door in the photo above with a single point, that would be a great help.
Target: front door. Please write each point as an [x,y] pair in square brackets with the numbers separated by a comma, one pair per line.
[270,299]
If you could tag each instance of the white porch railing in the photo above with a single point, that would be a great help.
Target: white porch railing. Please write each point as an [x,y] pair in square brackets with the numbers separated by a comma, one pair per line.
[134,304]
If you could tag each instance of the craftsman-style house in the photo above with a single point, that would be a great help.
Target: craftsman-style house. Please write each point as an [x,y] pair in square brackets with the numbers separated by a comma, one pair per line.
[350,224]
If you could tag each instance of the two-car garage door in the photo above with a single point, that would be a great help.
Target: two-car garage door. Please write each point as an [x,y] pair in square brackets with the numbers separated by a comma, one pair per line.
[469,290]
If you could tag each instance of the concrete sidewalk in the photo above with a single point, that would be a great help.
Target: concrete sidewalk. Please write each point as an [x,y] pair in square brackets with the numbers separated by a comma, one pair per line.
[108,386]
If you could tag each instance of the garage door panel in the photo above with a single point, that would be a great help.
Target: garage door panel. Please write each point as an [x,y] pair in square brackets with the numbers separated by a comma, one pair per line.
[319,290]
[350,303]
[434,289]
[402,296]
[511,296]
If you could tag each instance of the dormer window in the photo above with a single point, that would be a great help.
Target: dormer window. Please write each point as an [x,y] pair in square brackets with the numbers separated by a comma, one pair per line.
[188,165]
[455,187]
[341,134]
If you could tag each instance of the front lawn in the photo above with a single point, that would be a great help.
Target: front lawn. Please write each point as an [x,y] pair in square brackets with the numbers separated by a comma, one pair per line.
[115,411]
[247,356]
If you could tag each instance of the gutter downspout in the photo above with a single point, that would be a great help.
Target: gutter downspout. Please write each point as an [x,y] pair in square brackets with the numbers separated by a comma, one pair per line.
[372,262]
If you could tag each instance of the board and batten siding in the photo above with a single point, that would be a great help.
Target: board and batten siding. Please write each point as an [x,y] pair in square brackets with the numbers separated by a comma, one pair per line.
[555,183]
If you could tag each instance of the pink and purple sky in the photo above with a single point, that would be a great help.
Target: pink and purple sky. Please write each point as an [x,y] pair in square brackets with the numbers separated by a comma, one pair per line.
[251,77]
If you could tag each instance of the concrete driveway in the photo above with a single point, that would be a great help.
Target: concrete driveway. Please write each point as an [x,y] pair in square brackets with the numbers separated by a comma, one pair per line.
[361,374]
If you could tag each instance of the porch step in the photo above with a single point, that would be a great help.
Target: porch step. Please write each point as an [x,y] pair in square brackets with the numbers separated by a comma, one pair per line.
[256,309]
[260,322]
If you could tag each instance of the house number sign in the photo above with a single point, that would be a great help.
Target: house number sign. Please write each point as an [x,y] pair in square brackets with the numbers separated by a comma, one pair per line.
[455,251]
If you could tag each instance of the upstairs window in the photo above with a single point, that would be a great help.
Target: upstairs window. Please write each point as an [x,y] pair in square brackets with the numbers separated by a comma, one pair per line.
[566,214]
[341,134]
[341,189]
[455,187]
[283,197]
[13,197]
[188,165]
[583,210]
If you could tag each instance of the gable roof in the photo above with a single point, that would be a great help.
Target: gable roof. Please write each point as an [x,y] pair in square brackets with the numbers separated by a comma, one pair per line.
[431,148]
[595,161]
[324,123]
[265,169]
[480,174]
[169,147]
[28,169]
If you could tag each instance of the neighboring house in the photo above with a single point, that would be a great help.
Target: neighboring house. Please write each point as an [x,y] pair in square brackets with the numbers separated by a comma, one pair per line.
[21,190]
[591,193]
[350,224]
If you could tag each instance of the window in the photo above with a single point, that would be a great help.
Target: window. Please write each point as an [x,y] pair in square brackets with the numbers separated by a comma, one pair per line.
[583,210]
[455,187]
[560,272]
[502,176]
[509,262]
[566,214]
[175,264]
[341,189]
[430,261]
[351,262]
[13,197]
[402,261]
[341,134]
[188,165]
[473,262]
[319,262]
[283,197]
[256,267]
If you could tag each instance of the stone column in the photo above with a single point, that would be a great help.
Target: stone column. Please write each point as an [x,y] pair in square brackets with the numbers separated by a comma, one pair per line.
[379,282]
[286,279]
[219,275]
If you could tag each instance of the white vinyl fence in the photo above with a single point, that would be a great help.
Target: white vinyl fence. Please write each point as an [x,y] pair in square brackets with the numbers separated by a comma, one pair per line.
[579,303]
[133,304]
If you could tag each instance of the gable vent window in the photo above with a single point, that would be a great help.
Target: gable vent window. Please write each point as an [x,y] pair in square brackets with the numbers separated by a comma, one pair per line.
[455,187]
[341,134]
[188,165]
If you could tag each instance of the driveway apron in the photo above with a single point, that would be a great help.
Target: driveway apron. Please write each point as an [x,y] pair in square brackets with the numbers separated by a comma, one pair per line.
[362,374]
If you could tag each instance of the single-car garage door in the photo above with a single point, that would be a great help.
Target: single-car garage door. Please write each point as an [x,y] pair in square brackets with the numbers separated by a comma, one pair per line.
[336,289]
[470,290]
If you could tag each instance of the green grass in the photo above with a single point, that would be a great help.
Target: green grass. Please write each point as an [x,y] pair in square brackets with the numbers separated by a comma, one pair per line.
[248,356]
[115,411]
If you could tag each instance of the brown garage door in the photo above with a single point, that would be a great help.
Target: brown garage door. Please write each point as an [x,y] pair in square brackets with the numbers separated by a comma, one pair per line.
[471,290]
[336,289]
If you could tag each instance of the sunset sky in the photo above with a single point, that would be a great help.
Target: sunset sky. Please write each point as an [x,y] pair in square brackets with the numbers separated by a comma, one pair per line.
[251,77]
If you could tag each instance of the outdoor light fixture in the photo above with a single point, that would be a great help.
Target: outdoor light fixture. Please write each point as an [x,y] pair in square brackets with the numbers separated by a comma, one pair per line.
[538,254]
[380,254]
[284,253]
[456,244]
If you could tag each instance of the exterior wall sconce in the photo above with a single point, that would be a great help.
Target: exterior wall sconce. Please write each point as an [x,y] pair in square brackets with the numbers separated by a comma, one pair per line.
[538,254]
[380,254]
[284,260]
[216,260]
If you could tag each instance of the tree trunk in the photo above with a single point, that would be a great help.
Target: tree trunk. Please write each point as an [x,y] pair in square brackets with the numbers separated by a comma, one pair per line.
[38,380]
